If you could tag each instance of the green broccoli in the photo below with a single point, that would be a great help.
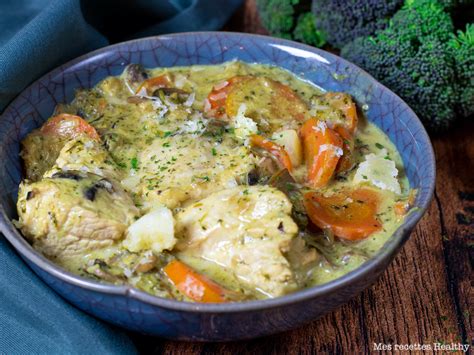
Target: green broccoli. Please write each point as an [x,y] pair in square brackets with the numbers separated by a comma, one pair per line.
[414,57]
[453,4]
[290,19]
[305,31]
[342,21]
[463,46]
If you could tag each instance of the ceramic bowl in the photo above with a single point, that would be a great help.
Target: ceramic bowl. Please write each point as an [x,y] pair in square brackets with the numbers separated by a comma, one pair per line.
[135,310]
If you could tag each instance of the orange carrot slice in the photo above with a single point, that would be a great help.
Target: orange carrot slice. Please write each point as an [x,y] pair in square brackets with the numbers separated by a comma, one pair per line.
[278,104]
[68,126]
[349,215]
[194,285]
[402,207]
[217,98]
[322,149]
[343,102]
[275,149]
[154,83]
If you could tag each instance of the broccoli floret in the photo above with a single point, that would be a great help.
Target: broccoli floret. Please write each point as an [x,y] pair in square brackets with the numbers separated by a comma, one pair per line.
[342,21]
[413,56]
[277,16]
[305,31]
[452,4]
[290,19]
[463,48]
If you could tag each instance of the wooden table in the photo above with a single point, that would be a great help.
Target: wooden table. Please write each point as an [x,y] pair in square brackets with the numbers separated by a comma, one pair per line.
[425,296]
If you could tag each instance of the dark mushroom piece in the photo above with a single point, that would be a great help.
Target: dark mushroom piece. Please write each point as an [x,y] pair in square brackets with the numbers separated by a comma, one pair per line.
[134,75]
[99,268]
[72,175]
[136,99]
[175,95]
[268,165]
[284,182]
[91,191]
[170,91]
[147,265]
[253,177]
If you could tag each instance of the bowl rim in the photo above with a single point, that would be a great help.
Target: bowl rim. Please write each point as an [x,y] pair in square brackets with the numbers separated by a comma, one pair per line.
[386,253]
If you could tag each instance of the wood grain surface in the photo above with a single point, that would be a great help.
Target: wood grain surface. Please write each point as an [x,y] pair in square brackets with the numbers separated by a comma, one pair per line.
[425,296]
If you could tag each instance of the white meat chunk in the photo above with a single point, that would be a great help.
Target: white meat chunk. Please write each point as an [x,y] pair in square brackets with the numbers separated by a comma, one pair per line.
[85,155]
[184,167]
[73,213]
[248,230]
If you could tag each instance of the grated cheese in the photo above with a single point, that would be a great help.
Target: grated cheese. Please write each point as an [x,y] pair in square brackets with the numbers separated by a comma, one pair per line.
[323,147]
[379,172]
[321,127]
[244,126]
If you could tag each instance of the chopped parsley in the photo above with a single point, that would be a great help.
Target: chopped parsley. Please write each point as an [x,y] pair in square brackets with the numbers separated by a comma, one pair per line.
[134,163]
[214,151]
[380,146]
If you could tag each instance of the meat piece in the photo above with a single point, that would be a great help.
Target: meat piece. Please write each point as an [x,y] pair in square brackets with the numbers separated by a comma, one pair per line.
[85,155]
[184,167]
[73,213]
[41,147]
[39,153]
[247,229]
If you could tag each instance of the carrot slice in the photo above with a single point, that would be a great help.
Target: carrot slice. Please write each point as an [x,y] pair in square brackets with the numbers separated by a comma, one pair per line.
[194,285]
[402,207]
[218,96]
[349,215]
[278,103]
[322,149]
[275,149]
[154,83]
[271,103]
[68,126]
[346,129]
[343,102]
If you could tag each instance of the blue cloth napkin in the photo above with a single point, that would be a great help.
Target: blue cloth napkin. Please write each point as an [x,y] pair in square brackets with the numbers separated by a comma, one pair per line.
[38,35]
[35,37]
[34,319]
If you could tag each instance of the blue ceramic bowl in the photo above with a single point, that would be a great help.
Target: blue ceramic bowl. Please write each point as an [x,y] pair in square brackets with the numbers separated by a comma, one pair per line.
[136,310]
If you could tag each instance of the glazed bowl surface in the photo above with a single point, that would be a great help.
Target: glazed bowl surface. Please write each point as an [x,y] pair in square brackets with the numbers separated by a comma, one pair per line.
[138,311]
